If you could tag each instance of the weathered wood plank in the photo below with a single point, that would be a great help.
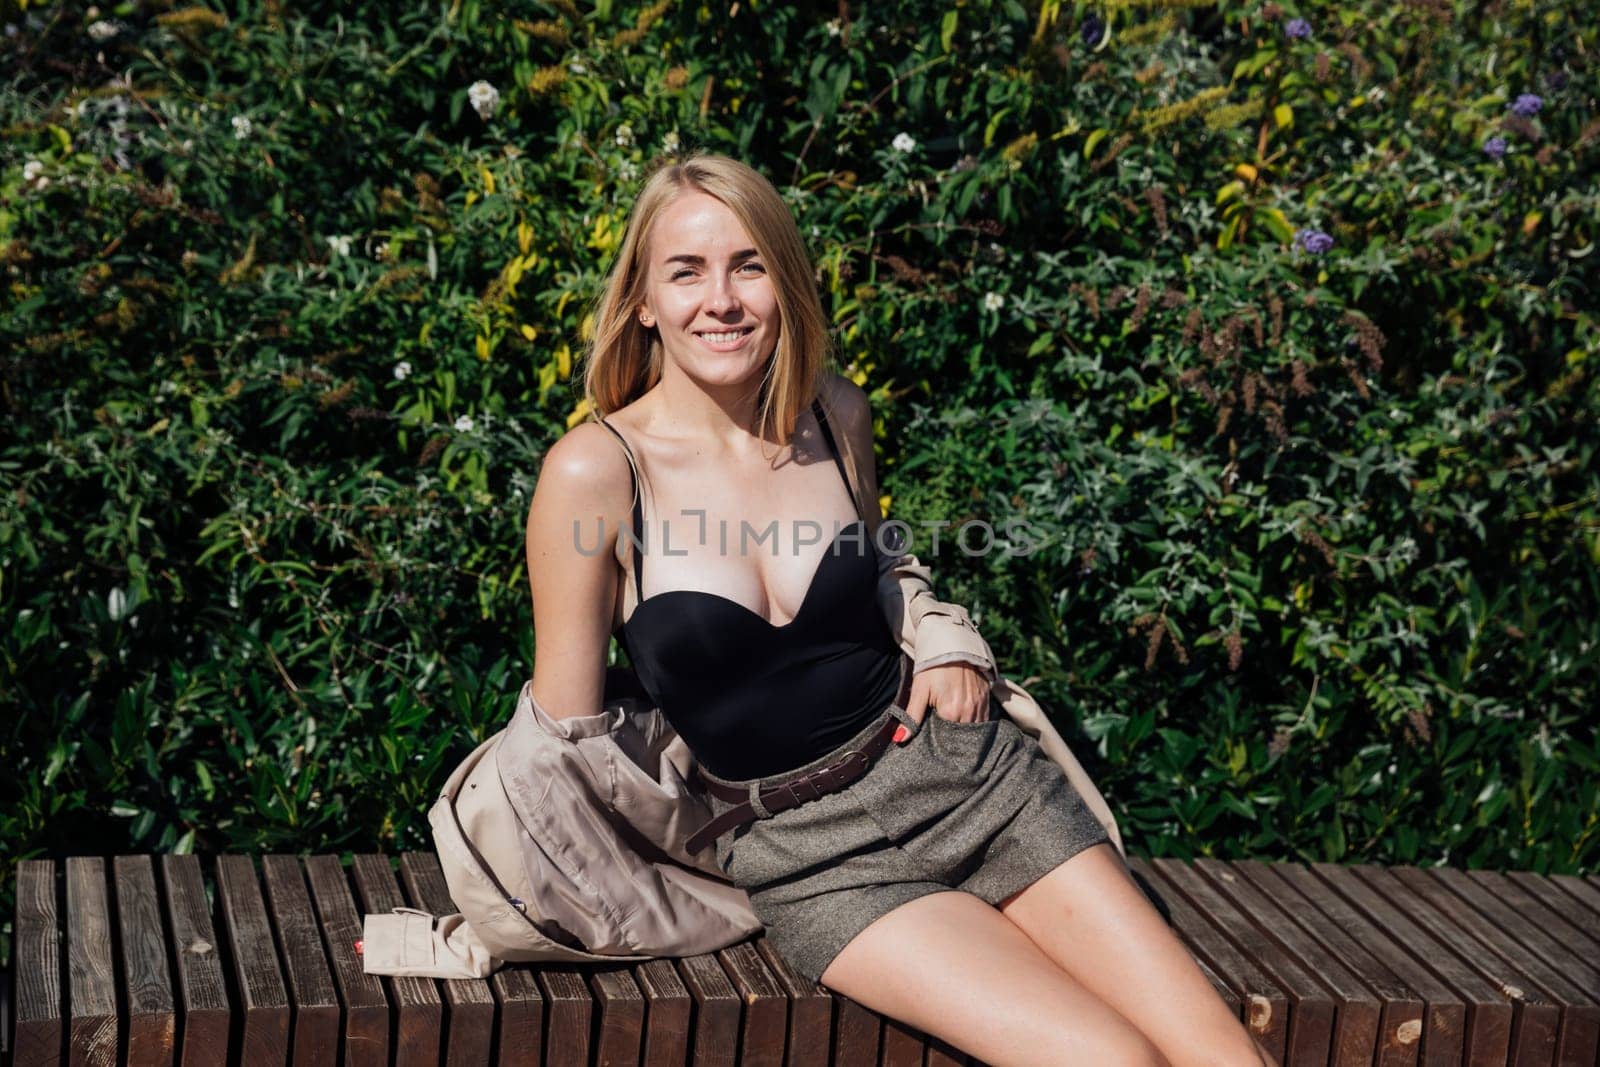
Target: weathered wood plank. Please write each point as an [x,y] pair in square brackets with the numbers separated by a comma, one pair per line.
[766,1011]
[666,1015]
[366,1014]
[1356,1009]
[315,1023]
[91,973]
[1311,1008]
[858,1035]
[1264,1003]
[1586,894]
[418,1008]
[714,1041]
[1535,1019]
[570,1011]
[1571,913]
[206,1010]
[40,1010]
[1411,991]
[1521,943]
[1490,1015]
[469,1005]
[263,997]
[810,1010]
[621,1009]
[147,982]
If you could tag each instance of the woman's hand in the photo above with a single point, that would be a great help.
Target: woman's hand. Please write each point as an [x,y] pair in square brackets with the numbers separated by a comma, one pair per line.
[957,692]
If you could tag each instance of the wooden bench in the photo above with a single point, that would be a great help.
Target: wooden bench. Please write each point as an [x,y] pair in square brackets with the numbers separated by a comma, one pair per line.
[145,960]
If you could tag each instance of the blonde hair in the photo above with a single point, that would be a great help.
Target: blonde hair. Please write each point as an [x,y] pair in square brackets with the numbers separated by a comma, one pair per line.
[624,356]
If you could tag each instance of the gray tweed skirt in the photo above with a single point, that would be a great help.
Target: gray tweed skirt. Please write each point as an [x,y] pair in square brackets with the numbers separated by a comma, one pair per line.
[977,807]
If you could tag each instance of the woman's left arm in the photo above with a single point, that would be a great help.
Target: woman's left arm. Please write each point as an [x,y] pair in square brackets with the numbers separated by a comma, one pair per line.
[954,669]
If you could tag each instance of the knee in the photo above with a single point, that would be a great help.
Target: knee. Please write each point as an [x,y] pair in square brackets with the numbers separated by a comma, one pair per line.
[1135,1050]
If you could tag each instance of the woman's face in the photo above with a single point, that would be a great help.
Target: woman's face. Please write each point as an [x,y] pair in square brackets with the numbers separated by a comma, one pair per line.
[707,292]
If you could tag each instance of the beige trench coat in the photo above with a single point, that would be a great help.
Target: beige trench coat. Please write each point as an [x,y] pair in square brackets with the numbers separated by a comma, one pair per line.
[564,839]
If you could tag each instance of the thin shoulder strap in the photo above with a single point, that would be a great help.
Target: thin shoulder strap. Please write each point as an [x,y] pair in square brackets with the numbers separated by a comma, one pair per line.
[833,446]
[638,512]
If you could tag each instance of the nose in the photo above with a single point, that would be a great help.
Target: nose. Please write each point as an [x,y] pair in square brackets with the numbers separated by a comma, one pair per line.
[721,299]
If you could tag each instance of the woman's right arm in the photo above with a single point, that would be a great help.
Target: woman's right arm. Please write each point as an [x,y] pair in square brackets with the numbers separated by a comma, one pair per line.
[583,496]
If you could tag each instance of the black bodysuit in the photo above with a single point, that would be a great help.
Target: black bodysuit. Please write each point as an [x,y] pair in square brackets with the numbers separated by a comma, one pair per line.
[752,699]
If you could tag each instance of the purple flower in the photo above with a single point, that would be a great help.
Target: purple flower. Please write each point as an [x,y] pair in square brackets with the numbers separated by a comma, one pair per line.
[1314,241]
[1527,105]
[1091,30]
[1297,29]
[1494,147]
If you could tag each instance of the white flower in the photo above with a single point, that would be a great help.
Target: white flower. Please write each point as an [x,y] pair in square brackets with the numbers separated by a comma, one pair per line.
[670,142]
[577,67]
[241,126]
[624,136]
[102,30]
[835,27]
[463,423]
[993,301]
[903,142]
[31,171]
[340,245]
[382,251]
[484,98]
[402,371]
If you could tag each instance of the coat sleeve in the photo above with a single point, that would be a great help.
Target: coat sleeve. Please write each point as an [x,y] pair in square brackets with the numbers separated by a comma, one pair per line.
[938,632]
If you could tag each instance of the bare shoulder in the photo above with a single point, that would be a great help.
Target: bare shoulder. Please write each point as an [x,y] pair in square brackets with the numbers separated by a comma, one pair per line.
[584,474]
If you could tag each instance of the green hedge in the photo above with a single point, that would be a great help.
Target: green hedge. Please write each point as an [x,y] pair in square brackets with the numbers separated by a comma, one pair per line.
[1281,319]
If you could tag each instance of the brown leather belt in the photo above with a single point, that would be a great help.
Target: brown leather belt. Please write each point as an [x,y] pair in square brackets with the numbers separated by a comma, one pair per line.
[795,791]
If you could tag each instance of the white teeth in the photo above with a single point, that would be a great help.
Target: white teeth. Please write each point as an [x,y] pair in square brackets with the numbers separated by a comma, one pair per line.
[724,338]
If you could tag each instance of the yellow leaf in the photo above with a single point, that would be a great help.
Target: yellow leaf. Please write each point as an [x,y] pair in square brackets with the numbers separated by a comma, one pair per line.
[579,413]
[586,328]
[160,425]
[860,378]
[561,304]
[1093,139]
[1229,191]
[883,504]
[482,345]
[1530,222]
[472,197]
[488,179]
[513,273]
[524,237]
[529,332]
[1245,171]
[422,334]
[1283,115]
[1357,101]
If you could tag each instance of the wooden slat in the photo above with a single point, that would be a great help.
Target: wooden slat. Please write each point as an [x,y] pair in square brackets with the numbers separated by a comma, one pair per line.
[1586,895]
[1522,943]
[902,1044]
[519,1033]
[314,1028]
[667,1014]
[621,1008]
[714,1041]
[810,1010]
[1264,1002]
[263,998]
[1356,1010]
[469,1006]
[1534,1019]
[91,974]
[205,1009]
[419,1011]
[1490,1018]
[766,1010]
[1407,985]
[858,1035]
[40,1035]
[366,1014]
[570,1009]
[152,1012]
[1311,1008]
[1556,903]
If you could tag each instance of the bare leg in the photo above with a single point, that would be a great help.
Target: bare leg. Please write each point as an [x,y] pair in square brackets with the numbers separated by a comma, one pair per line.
[1090,918]
[954,967]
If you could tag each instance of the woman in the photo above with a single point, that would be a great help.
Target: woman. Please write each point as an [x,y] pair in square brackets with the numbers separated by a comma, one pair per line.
[940,869]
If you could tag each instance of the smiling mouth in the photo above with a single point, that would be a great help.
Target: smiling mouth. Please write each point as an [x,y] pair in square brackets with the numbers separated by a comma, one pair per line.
[722,337]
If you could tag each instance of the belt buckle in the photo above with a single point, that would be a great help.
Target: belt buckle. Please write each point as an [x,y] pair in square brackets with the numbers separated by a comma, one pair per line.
[844,761]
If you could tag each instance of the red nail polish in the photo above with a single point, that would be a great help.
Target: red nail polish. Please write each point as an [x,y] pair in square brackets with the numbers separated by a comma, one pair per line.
[901,734]
[360,946]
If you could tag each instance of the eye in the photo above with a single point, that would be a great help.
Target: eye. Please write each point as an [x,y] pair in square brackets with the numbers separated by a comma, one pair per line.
[681,272]
[752,264]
